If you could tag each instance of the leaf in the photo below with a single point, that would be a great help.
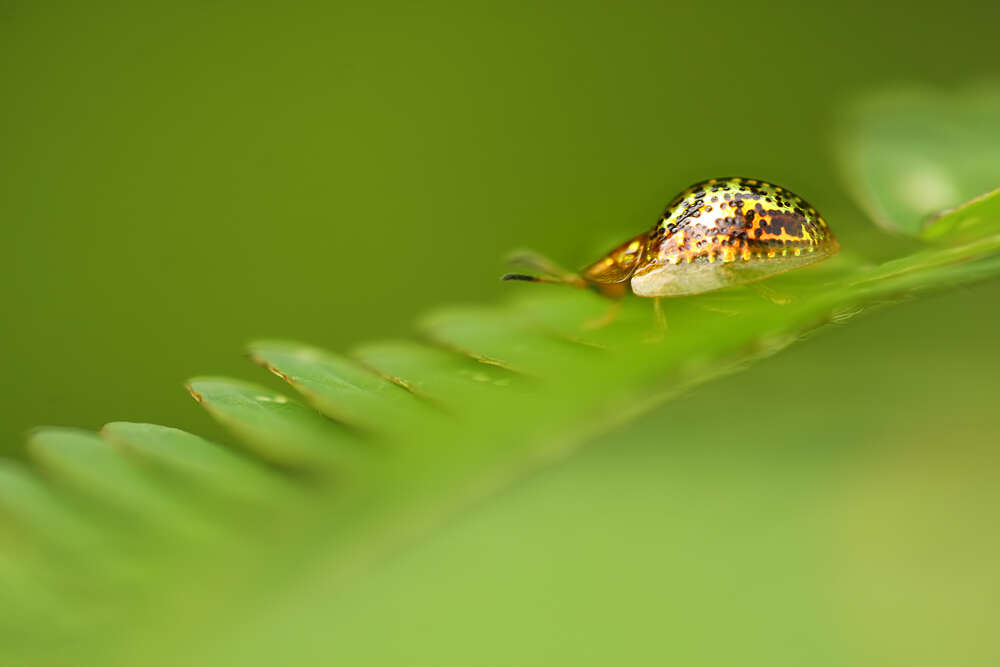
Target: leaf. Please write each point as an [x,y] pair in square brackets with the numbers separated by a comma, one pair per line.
[910,153]
[88,465]
[342,389]
[198,463]
[278,429]
[386,443]
[974,219]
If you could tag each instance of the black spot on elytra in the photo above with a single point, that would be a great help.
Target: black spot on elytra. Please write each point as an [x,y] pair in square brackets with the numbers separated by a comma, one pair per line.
[791,223]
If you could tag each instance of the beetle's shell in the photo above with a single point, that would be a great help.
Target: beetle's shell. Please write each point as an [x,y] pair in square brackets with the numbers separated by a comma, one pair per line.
[718,233]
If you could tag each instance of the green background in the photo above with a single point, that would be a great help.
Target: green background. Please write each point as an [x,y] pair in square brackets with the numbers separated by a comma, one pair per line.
[176,180]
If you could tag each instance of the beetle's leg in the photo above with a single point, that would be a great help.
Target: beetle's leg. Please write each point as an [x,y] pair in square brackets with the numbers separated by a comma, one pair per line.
[609,316]
[771,295]
[716,309]
[661,317]
[762,290]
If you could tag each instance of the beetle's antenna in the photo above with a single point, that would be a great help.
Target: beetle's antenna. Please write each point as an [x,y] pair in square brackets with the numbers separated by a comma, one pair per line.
[522,276]
[572,281]
[551,272]
[534,261]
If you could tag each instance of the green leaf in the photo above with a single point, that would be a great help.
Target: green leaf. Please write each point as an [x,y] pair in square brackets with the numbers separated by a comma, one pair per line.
[972,220]
[387,443]
[273,426]
[197,462]
[27,501]
[342,389]
[88,464]
[434,373]
[910,153]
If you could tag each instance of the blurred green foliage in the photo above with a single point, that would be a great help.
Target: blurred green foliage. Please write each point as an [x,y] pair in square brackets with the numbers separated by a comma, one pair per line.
[179,179]
[911,153]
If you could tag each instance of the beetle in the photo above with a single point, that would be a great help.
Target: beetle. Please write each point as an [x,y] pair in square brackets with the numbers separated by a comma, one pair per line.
[715,234]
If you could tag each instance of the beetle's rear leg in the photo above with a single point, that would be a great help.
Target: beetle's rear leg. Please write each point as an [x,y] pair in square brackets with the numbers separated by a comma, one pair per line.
[762,290]
[775,297]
